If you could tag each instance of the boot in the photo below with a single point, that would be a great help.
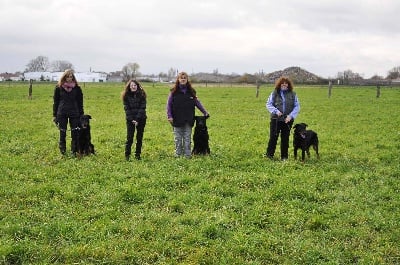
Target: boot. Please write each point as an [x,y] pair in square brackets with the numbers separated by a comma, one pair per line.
[74,142]
[138,150]
[62,147]
[127,151]
[61,143]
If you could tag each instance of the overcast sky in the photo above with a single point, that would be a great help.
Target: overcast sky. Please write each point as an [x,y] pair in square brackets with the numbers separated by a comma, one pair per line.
[234,36]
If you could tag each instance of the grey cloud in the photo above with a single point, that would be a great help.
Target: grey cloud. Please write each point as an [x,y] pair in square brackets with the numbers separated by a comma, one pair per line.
[235,36]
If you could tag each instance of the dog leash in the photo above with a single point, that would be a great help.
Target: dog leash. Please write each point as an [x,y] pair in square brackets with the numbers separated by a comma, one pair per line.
[64,130]
[276,126]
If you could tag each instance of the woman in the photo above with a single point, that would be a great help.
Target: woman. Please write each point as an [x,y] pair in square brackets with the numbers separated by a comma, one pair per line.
[284,106]
[68,106]
[181,104]
[134,101]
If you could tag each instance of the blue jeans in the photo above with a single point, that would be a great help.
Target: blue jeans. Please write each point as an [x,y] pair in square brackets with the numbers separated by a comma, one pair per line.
[182,137]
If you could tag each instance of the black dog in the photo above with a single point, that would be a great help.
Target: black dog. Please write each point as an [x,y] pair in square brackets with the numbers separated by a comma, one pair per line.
[200,137]
[85,146]
[303,139]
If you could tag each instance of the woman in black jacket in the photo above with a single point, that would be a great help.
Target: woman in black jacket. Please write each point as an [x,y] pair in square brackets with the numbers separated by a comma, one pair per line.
[68,106]
[134,101]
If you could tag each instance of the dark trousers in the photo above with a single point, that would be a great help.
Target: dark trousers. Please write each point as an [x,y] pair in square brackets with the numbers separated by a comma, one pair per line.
[279,127]
[74,125]
[130,132]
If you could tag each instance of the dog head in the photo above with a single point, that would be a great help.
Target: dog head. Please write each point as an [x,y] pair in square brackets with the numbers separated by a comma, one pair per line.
[300,129]
[200,121]
[84,121]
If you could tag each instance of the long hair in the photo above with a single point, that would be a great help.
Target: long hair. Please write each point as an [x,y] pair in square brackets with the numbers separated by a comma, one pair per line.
[188,84]
[128,90]
[282,80]
[63,78]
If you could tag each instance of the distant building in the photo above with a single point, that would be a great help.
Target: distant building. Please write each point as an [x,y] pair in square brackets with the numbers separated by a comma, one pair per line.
[115,77]
[91,77]
[55,76]
[41,76]
[9,76]
[396,81]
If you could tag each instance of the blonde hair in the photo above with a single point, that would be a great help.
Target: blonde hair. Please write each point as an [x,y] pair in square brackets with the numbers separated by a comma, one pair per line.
[64,76]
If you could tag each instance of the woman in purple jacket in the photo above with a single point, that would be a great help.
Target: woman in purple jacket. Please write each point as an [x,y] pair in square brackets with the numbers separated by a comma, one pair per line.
[181,104]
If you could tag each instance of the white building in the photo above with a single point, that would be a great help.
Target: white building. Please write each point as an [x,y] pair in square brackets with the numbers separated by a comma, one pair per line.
[91,77]
[55,76]
[42,76]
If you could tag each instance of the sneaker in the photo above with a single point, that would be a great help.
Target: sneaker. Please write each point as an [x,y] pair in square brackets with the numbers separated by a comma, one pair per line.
[137,157]
[127,158]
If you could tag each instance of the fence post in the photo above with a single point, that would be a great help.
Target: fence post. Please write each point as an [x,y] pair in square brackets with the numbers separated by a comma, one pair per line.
[378,91]
[330,89]
[30,89]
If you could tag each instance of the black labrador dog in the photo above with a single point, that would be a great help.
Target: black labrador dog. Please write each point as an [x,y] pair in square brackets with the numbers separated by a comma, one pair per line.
[200,137]
[303,139]
[85,146]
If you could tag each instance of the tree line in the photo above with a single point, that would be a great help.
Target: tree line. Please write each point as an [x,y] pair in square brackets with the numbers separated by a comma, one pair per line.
[131,70]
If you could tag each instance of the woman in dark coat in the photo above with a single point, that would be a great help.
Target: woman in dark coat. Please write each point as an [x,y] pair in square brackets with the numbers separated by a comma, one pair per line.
[68,107]
[284,107]
[134,101]
[181,104]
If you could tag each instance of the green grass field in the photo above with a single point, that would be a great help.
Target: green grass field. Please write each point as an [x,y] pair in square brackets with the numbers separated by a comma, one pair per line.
[232,207]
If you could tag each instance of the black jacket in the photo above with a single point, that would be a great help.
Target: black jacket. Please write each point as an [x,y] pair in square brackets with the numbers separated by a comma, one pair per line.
[68,104]
[134,106]
[183,108]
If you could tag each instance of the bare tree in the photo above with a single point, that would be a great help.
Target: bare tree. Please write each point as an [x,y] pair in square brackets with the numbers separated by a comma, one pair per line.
[348,75]
[61,65]
[162,76]
[39,64]
[376,77]
[394,73]
[130,71]
[172,73]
